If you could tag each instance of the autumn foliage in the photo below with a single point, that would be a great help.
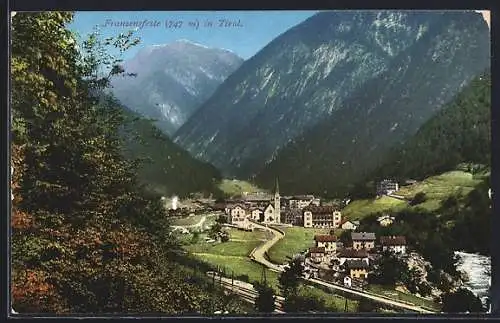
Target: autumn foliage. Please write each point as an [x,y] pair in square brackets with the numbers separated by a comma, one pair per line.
[86,237]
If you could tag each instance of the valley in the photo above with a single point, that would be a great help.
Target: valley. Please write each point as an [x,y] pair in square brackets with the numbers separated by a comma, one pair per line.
[341,165]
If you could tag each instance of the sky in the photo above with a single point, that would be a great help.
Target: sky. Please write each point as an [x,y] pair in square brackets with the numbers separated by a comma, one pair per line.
[252,31]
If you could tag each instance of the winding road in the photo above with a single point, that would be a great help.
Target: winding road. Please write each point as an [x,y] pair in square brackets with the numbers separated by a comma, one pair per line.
[258,255]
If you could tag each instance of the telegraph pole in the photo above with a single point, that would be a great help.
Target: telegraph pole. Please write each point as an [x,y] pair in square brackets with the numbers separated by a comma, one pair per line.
[263,278]
[232,281]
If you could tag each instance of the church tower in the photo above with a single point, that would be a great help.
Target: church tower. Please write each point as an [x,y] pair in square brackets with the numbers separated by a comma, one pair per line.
[277,204]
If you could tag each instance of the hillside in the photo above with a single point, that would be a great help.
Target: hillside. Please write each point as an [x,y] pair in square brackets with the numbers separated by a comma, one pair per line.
[298,79]
[166,168]
[456,211]
[173,80]
[237,187]
[460,132]
[344,148]
[436,188]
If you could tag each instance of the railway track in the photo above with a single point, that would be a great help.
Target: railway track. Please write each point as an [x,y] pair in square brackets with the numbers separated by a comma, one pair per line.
[247,294]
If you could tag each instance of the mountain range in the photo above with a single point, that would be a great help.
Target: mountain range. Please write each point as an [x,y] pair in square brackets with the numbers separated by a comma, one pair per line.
[172,80]
[321,104]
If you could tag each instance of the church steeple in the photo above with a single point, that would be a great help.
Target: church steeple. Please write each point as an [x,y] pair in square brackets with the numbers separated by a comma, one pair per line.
[277,204]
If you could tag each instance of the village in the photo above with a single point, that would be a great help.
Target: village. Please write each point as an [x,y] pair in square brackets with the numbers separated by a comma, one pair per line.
[347,263]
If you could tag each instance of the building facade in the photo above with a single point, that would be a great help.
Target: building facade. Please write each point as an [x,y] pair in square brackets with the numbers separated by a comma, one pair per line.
[357,269]
[349,225]
[396,244]
[387,187]
[293,217]
[385,220]
[348,254]
[328,242]
[363,240]
[322,217]
[302,201]
[317,254]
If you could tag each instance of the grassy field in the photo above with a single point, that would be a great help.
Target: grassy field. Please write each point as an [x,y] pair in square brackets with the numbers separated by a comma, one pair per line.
[296,240]
[233,257]
[331,300]
[240,235]
[436,188]
[237,187]
[189,220]
[233,254]
[230,248]
[358,209]
[397,295]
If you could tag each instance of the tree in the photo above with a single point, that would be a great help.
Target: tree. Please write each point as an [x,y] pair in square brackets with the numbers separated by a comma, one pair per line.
[413,279]
[345,237]
[265,301]
[388,270]
[86,236]
[215,230]
[424,289]
[460,301]
[196,237]
[419,198]
[221,219]
[289,280]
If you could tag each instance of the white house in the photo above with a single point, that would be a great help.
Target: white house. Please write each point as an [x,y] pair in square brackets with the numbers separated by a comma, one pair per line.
[256,214]
[348,254]
[317,254]
[238,211]
[349,225]
[329,242]
[387,187]
[321,217]
[269,214]
[396,244]
[300,202]
[348,281]
[385,220]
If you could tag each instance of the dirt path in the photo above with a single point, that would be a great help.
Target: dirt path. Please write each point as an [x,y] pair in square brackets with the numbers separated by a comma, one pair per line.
[258,254]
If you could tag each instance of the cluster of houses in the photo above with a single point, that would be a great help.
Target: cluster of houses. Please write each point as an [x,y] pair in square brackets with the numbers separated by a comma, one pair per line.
[304,210]
[351,262]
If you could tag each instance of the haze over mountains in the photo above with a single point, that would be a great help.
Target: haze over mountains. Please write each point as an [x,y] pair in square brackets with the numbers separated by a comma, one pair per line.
[321,105]
[173,80]
[323,102]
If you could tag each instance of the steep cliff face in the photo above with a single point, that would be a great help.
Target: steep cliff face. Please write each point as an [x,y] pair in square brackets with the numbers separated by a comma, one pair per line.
[460,132]
[300,78]
[387,109]
[173,80]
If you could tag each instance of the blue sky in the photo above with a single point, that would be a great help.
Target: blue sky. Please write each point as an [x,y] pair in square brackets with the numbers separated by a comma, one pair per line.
[257,28]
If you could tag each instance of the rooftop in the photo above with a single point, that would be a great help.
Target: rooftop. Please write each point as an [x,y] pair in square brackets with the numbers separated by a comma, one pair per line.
[321,209]
[301,197]
[355,222]
[356,264]
[393,240]
[353,253]
[325,238]
[317,250]
[364,236]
